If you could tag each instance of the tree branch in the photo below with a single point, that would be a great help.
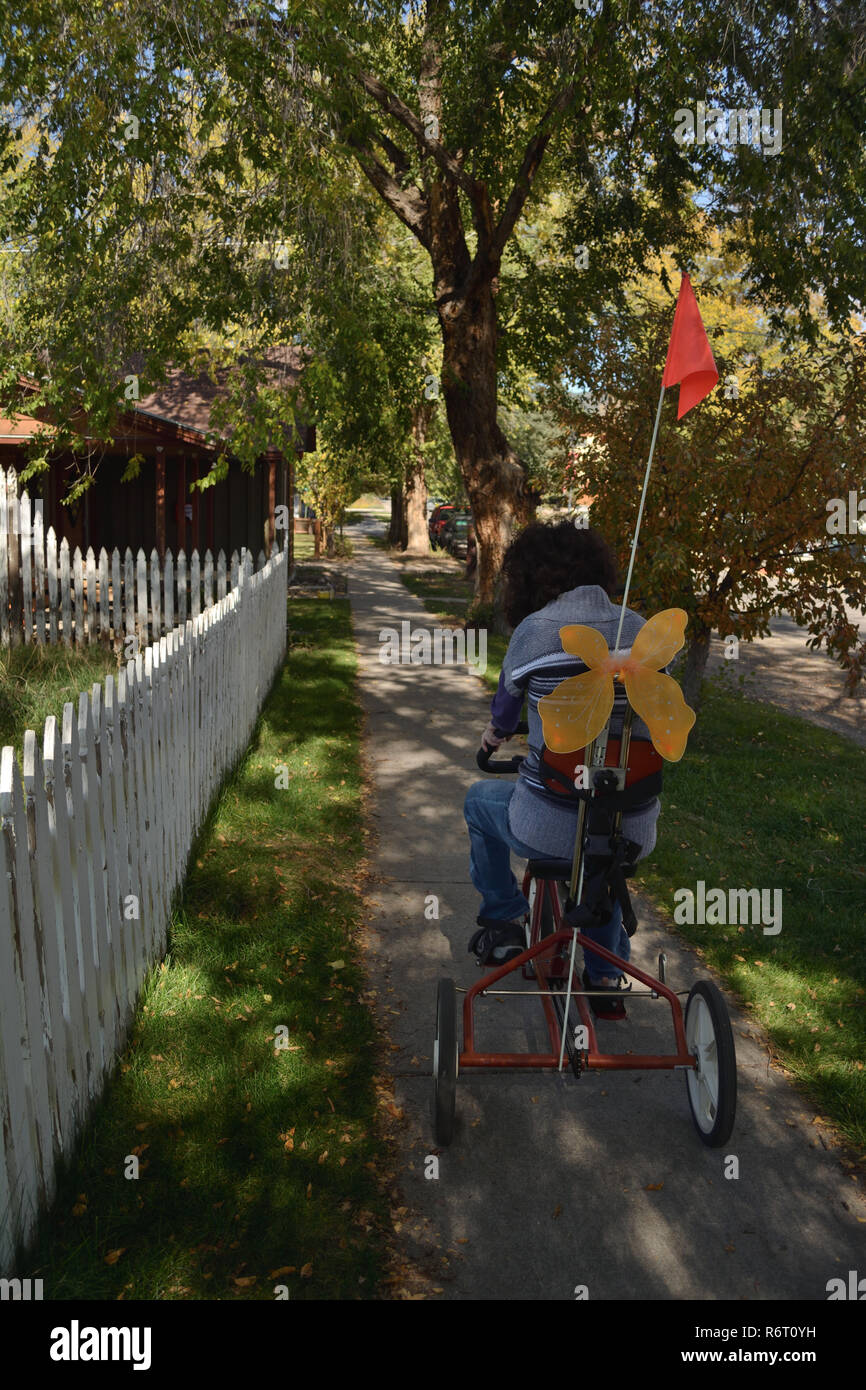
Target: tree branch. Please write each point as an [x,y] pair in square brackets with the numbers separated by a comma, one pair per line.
[409,204]
[401,112]
[529,167]
[399,159]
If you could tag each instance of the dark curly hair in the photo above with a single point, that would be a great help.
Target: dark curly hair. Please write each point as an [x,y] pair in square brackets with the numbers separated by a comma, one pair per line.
[546,560]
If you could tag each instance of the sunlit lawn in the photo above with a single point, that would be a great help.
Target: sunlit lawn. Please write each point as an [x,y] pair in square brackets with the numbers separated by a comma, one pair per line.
[259,1165]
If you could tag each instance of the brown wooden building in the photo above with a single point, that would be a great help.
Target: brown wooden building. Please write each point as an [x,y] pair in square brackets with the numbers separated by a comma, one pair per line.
[169,429]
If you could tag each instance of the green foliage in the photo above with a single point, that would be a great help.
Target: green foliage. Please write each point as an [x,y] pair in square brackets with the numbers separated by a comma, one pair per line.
[132,469]
[735,528]
[174,182]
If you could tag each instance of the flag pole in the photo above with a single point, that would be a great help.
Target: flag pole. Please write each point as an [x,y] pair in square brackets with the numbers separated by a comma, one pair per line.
[640,515]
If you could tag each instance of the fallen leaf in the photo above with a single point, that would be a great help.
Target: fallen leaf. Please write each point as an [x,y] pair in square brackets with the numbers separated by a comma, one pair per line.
[654,1187]
[114,1255]
[283,1269]
[306,1271]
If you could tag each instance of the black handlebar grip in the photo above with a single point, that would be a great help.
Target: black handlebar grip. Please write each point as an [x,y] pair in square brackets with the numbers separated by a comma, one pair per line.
[484,755]
[483,759]
[522,728]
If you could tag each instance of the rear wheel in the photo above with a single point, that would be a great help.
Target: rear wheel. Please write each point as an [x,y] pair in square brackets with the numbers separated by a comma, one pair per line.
[445,1062]
[547,925]
[712,1086]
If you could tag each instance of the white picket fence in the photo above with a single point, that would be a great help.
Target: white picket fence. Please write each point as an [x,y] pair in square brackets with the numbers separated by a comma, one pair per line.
[93,845]
[51,594]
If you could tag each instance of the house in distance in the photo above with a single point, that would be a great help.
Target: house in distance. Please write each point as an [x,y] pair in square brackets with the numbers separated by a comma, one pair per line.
[170,428]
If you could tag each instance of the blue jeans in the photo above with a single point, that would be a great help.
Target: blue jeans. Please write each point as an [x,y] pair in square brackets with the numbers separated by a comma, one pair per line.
[491,843]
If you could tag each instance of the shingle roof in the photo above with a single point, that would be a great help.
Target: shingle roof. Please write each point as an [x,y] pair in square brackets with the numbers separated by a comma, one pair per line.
[187,399]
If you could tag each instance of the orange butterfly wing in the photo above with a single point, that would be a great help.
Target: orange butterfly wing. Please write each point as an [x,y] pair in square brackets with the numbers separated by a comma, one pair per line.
[657,699]
[660,638]
[577,710]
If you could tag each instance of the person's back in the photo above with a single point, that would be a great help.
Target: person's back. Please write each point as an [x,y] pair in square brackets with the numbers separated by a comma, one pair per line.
[534,664]
[554,576]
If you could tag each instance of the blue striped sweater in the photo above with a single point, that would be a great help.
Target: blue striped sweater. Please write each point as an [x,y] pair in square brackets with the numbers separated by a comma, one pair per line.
[534,663]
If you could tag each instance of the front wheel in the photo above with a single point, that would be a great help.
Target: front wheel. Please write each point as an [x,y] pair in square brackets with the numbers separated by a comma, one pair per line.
[712,1085]
[445,1055]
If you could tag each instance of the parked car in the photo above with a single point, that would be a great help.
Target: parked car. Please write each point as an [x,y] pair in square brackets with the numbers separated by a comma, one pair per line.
[438,517]
[455,534]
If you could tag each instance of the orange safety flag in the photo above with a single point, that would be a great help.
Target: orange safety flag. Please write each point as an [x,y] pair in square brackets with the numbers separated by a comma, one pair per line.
[690,358]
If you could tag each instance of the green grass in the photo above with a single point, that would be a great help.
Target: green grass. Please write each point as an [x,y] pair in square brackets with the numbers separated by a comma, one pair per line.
[763,799]
[258,1167]
[305,548]
[437,589]
[36,682]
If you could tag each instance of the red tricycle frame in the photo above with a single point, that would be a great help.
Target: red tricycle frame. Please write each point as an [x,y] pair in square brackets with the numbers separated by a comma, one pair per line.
[550,951]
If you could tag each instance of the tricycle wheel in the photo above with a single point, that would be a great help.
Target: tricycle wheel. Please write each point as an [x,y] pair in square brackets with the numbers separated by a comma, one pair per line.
[712,1086]
[445,1062]
[547,923]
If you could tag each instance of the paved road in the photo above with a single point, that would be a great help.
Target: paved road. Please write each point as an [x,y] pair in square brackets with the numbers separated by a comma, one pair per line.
[547,1183]
[781,670]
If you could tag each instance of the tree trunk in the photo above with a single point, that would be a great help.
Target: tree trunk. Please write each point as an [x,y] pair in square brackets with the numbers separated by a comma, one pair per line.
[397,524]
[494,476]
[693,667]
[417,536]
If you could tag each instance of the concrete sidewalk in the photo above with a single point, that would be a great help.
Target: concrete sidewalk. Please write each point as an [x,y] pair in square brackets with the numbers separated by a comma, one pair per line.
[553,1182]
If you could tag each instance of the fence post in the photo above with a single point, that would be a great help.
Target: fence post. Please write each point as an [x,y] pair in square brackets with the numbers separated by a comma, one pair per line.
[141,587]
[13,531]
[116,599]
[104,611]
[39,570]
[91,621]
[78,597]
[129,602]
[155,606]
[182,609]
[168,581]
